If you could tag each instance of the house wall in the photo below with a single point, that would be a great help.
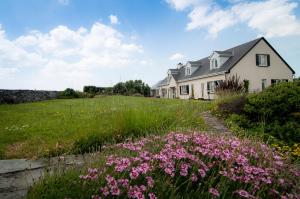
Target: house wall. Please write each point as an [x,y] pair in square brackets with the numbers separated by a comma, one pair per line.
[246,68]
[197,87]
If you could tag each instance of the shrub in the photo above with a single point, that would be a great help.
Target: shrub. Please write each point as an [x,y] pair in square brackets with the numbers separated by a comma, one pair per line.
[277,107]
[68,94]
[232,84]
[231,104]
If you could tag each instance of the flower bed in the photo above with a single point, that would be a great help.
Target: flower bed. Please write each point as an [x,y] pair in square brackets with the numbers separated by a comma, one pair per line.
[196,165]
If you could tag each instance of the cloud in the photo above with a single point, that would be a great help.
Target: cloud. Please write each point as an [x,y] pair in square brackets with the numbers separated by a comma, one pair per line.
[176,56]
[182,4]
[213,19]
[270,18]
[273,18]
[64,55]
[63,2]
[114,19]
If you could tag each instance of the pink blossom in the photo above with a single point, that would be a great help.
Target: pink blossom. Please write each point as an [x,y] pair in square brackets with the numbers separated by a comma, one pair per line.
[152,196]
[134,174]
[115,191]
[150,181]
[105,191]
[194,178]
[244,194]
[202,173]
[214,192]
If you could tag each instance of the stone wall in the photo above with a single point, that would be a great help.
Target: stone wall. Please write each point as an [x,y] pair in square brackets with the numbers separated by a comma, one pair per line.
[21,96]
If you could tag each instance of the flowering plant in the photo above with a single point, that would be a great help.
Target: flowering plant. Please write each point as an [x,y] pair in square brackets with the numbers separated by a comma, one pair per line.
[196,165]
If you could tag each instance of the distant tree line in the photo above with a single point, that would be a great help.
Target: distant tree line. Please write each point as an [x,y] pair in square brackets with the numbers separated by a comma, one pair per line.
[131,87]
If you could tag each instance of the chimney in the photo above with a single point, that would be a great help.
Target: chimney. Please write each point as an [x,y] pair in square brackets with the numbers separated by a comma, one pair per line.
[179,65]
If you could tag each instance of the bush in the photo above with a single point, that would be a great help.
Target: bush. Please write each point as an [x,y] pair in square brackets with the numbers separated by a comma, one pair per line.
[231,104]
[68,94]
[231,85]
[277,107]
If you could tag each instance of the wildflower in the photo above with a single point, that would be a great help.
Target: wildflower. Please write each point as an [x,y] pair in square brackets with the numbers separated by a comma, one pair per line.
[214,192]
[152,196]
[134,174]
[150,181]
[115,191]
[194,178]
[202,173]
[184,169]
[104,191]
[244,194]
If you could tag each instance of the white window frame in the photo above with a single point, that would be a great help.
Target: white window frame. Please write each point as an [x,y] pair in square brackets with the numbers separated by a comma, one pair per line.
[263,84]
[212,85]
[184,90]
[188,71]
[262,60]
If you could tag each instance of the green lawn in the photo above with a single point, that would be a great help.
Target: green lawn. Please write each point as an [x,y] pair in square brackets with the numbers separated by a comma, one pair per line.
[37,129]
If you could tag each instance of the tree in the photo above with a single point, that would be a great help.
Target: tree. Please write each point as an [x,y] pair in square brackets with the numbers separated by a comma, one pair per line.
[120,89]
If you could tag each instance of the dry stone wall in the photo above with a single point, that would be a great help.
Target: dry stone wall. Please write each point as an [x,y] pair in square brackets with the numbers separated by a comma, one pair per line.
[21,96]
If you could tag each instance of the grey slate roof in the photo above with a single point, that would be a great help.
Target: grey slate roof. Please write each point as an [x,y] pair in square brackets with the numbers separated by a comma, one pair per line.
[203,65]
[160,83]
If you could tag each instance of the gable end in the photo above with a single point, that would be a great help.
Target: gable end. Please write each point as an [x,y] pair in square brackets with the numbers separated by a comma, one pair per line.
[270,47]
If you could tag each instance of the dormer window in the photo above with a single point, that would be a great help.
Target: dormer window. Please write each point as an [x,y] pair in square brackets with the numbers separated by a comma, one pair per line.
[188,71]
[214,63]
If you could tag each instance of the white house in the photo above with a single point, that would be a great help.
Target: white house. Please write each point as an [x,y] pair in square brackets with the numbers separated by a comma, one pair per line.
[256,62]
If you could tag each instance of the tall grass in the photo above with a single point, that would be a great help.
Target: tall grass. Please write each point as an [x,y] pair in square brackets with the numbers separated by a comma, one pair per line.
[51,128]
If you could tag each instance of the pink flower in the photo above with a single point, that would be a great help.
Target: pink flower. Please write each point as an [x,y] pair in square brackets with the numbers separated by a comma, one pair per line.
[244,194]
[115,191]
[150,181]
[214,192]
[123,182]
[104,191]
[194,178]
[202,173]
[152,196]
[241,160]
[134,174]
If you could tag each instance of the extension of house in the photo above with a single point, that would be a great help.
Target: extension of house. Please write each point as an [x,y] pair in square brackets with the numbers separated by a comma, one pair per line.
[255,62]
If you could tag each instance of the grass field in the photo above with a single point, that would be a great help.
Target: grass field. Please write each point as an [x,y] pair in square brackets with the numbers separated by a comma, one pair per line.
[44,128]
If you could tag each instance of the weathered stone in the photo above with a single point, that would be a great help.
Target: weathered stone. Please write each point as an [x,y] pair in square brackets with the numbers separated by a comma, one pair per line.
[21,96]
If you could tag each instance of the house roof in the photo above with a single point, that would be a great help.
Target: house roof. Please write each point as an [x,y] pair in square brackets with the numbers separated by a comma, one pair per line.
[203,65]
[160,83]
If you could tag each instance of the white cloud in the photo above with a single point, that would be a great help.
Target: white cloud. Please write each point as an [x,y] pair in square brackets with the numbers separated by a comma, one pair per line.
[271,18]
[176,57]
[63,2]
[64,55]
[182,4]
[113,19]
[214,19]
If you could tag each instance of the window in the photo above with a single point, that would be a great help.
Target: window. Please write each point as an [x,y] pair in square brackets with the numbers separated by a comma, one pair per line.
[187,71]
[184,90]
[276,81]
[262,60]
[263,84]
[164,92]
[211,86]
[214,63]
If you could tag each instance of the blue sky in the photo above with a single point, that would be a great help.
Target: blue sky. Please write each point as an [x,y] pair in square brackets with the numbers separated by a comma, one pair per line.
[54,44]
